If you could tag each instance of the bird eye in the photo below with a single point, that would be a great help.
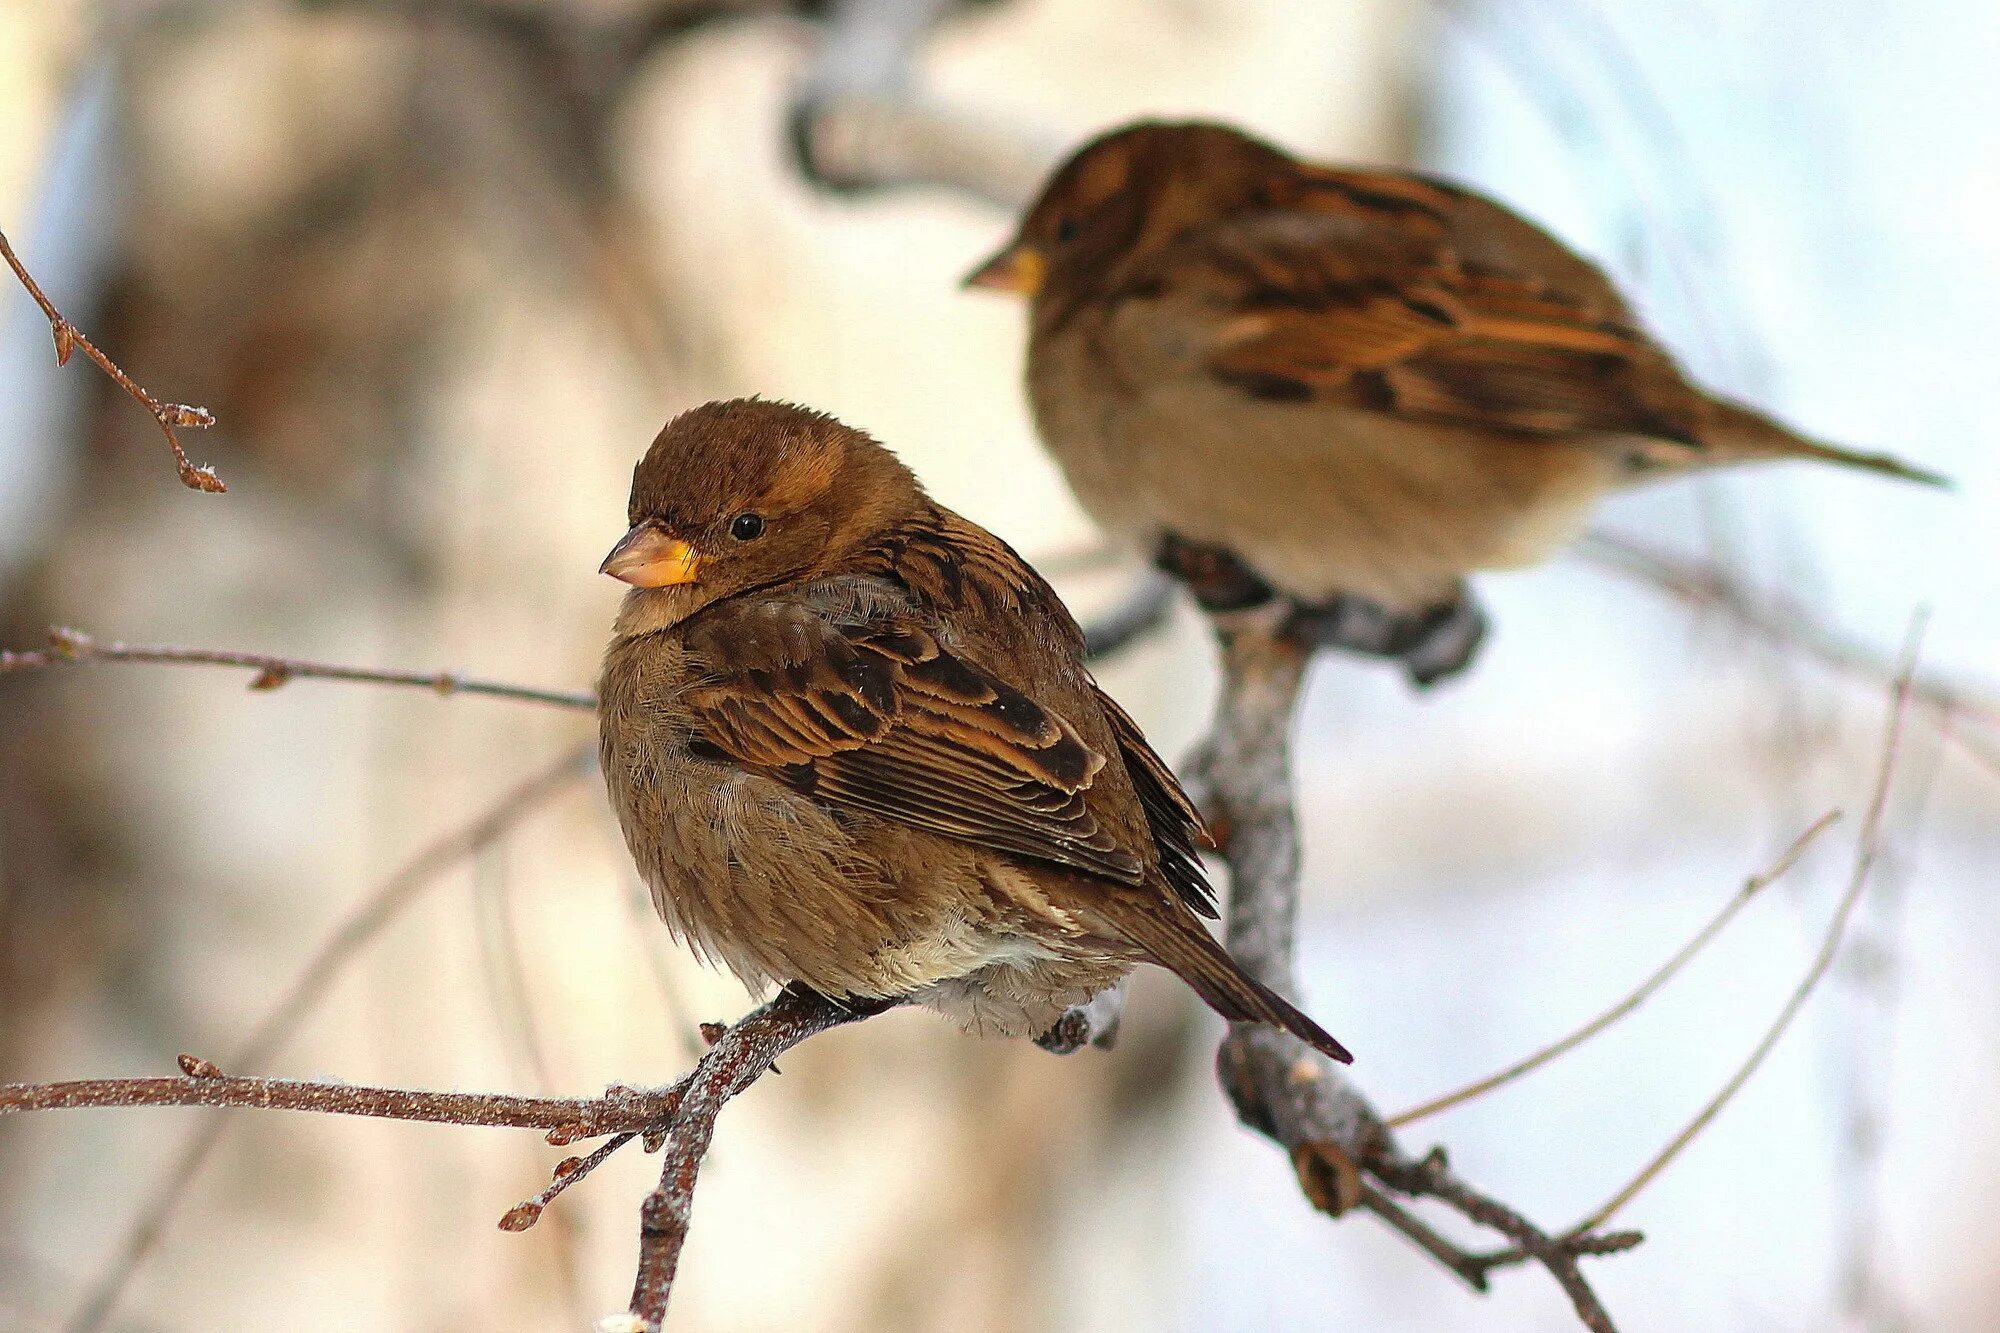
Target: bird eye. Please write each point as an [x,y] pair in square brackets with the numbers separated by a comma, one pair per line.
[747,527]
[1066,230]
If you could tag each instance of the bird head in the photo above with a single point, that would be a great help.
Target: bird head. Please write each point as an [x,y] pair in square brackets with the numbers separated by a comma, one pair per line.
[745,494]
[1125,195]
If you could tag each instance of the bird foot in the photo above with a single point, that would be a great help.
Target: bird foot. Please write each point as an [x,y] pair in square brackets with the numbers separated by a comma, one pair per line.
[1433,643]
[1092,1023]
[1218,581]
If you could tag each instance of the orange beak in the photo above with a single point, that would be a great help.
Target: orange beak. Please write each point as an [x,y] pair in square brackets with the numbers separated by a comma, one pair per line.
[1019,268]
[646,557]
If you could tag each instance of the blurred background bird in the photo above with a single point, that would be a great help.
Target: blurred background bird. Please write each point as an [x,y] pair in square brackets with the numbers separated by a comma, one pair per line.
[1346,388]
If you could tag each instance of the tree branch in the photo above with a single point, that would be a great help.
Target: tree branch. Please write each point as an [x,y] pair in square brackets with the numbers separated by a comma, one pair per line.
[1705,588]
[1341,1148]
[680,1116]
[566,1119]
[68,645]
[1343,1151]
[1633,999]
[739,1057]
[169,416]
[858,121]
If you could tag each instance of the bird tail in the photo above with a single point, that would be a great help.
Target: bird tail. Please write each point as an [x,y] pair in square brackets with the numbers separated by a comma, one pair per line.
[1739,432]
[1180,944]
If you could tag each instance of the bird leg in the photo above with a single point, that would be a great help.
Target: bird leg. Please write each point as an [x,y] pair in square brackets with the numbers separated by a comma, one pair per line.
[1219,581]
[1092,1023]
[1432,642]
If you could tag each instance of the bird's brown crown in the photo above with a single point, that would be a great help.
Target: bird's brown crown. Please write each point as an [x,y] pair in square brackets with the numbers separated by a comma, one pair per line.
[1127,193]
[748,493]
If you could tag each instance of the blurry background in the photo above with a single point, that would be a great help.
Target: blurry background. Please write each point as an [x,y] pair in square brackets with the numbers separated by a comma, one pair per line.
[441,269]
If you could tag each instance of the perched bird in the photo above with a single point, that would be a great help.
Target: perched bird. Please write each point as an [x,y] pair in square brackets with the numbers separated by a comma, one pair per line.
[1347,389]
[852,744]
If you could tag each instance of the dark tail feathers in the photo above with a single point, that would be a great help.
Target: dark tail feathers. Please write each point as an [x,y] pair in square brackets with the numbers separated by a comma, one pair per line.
[1747,433]
[1180,944]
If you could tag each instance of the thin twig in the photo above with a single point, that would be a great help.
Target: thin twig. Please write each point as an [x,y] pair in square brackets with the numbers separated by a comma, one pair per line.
[739,1057]
[617,1111]
[68,645]
[569,1171]
[281,1022]
[1789,624]
[170,416]
[1635,998]
[1140,610]
[1432,1178]
[1866,851]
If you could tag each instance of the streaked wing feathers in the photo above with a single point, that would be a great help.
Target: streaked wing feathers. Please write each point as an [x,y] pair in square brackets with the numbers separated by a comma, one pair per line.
[1309,309]
[883,717]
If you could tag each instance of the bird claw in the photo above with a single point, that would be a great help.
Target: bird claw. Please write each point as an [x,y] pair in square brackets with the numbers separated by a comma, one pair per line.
[1092,1023]
[1433,644]
[1067,1035]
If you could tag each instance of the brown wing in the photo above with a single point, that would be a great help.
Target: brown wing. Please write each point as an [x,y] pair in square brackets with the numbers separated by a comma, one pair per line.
[1485,235]
[878,715]
[1176,825]
[1341,307]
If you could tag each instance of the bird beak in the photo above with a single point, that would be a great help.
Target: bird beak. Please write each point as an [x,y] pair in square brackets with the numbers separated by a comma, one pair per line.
[1020,268]
[648,558]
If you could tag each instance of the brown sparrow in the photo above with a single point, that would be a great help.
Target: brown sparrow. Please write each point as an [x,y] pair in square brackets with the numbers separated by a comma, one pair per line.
[1348,389]
[853,746]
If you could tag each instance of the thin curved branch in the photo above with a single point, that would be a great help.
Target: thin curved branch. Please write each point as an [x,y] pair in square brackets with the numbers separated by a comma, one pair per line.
[170,417]
[1634,998]
[1867,851]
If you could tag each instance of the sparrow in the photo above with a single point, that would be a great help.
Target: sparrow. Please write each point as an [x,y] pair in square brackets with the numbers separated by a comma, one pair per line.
[1344,390]
[853,747]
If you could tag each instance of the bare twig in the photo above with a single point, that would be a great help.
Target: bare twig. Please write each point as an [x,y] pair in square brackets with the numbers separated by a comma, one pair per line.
[68,645]
[171,417]
[682,1115]
[739,1056]
[1866,852]
[1342,1151]
[1140,610]
[1704,587]
[569,1171]
[269,1036]
[1633,999]
[568,1118]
